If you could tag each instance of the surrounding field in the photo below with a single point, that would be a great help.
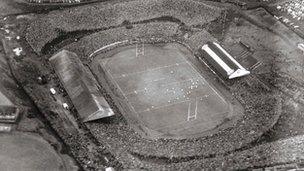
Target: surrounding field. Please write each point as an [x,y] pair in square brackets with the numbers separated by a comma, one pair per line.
[28,153]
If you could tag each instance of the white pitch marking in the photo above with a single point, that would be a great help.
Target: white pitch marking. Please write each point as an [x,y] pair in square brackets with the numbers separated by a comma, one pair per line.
[161,86]
[189,112]
[169,101]
[140,50]
[105,47]
[172,104]
[149,70]
[192,117]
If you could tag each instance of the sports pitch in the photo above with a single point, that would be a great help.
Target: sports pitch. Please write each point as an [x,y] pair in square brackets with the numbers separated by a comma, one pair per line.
[164,91]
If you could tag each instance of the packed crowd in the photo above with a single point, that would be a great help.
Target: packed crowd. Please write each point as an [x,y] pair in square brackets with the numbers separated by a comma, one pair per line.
[55,1]
[295,8]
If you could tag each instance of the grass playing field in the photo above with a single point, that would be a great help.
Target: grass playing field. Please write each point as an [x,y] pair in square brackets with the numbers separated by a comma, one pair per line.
[165,91]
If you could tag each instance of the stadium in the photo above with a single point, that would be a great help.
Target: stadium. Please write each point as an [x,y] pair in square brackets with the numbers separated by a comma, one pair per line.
[163,84]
